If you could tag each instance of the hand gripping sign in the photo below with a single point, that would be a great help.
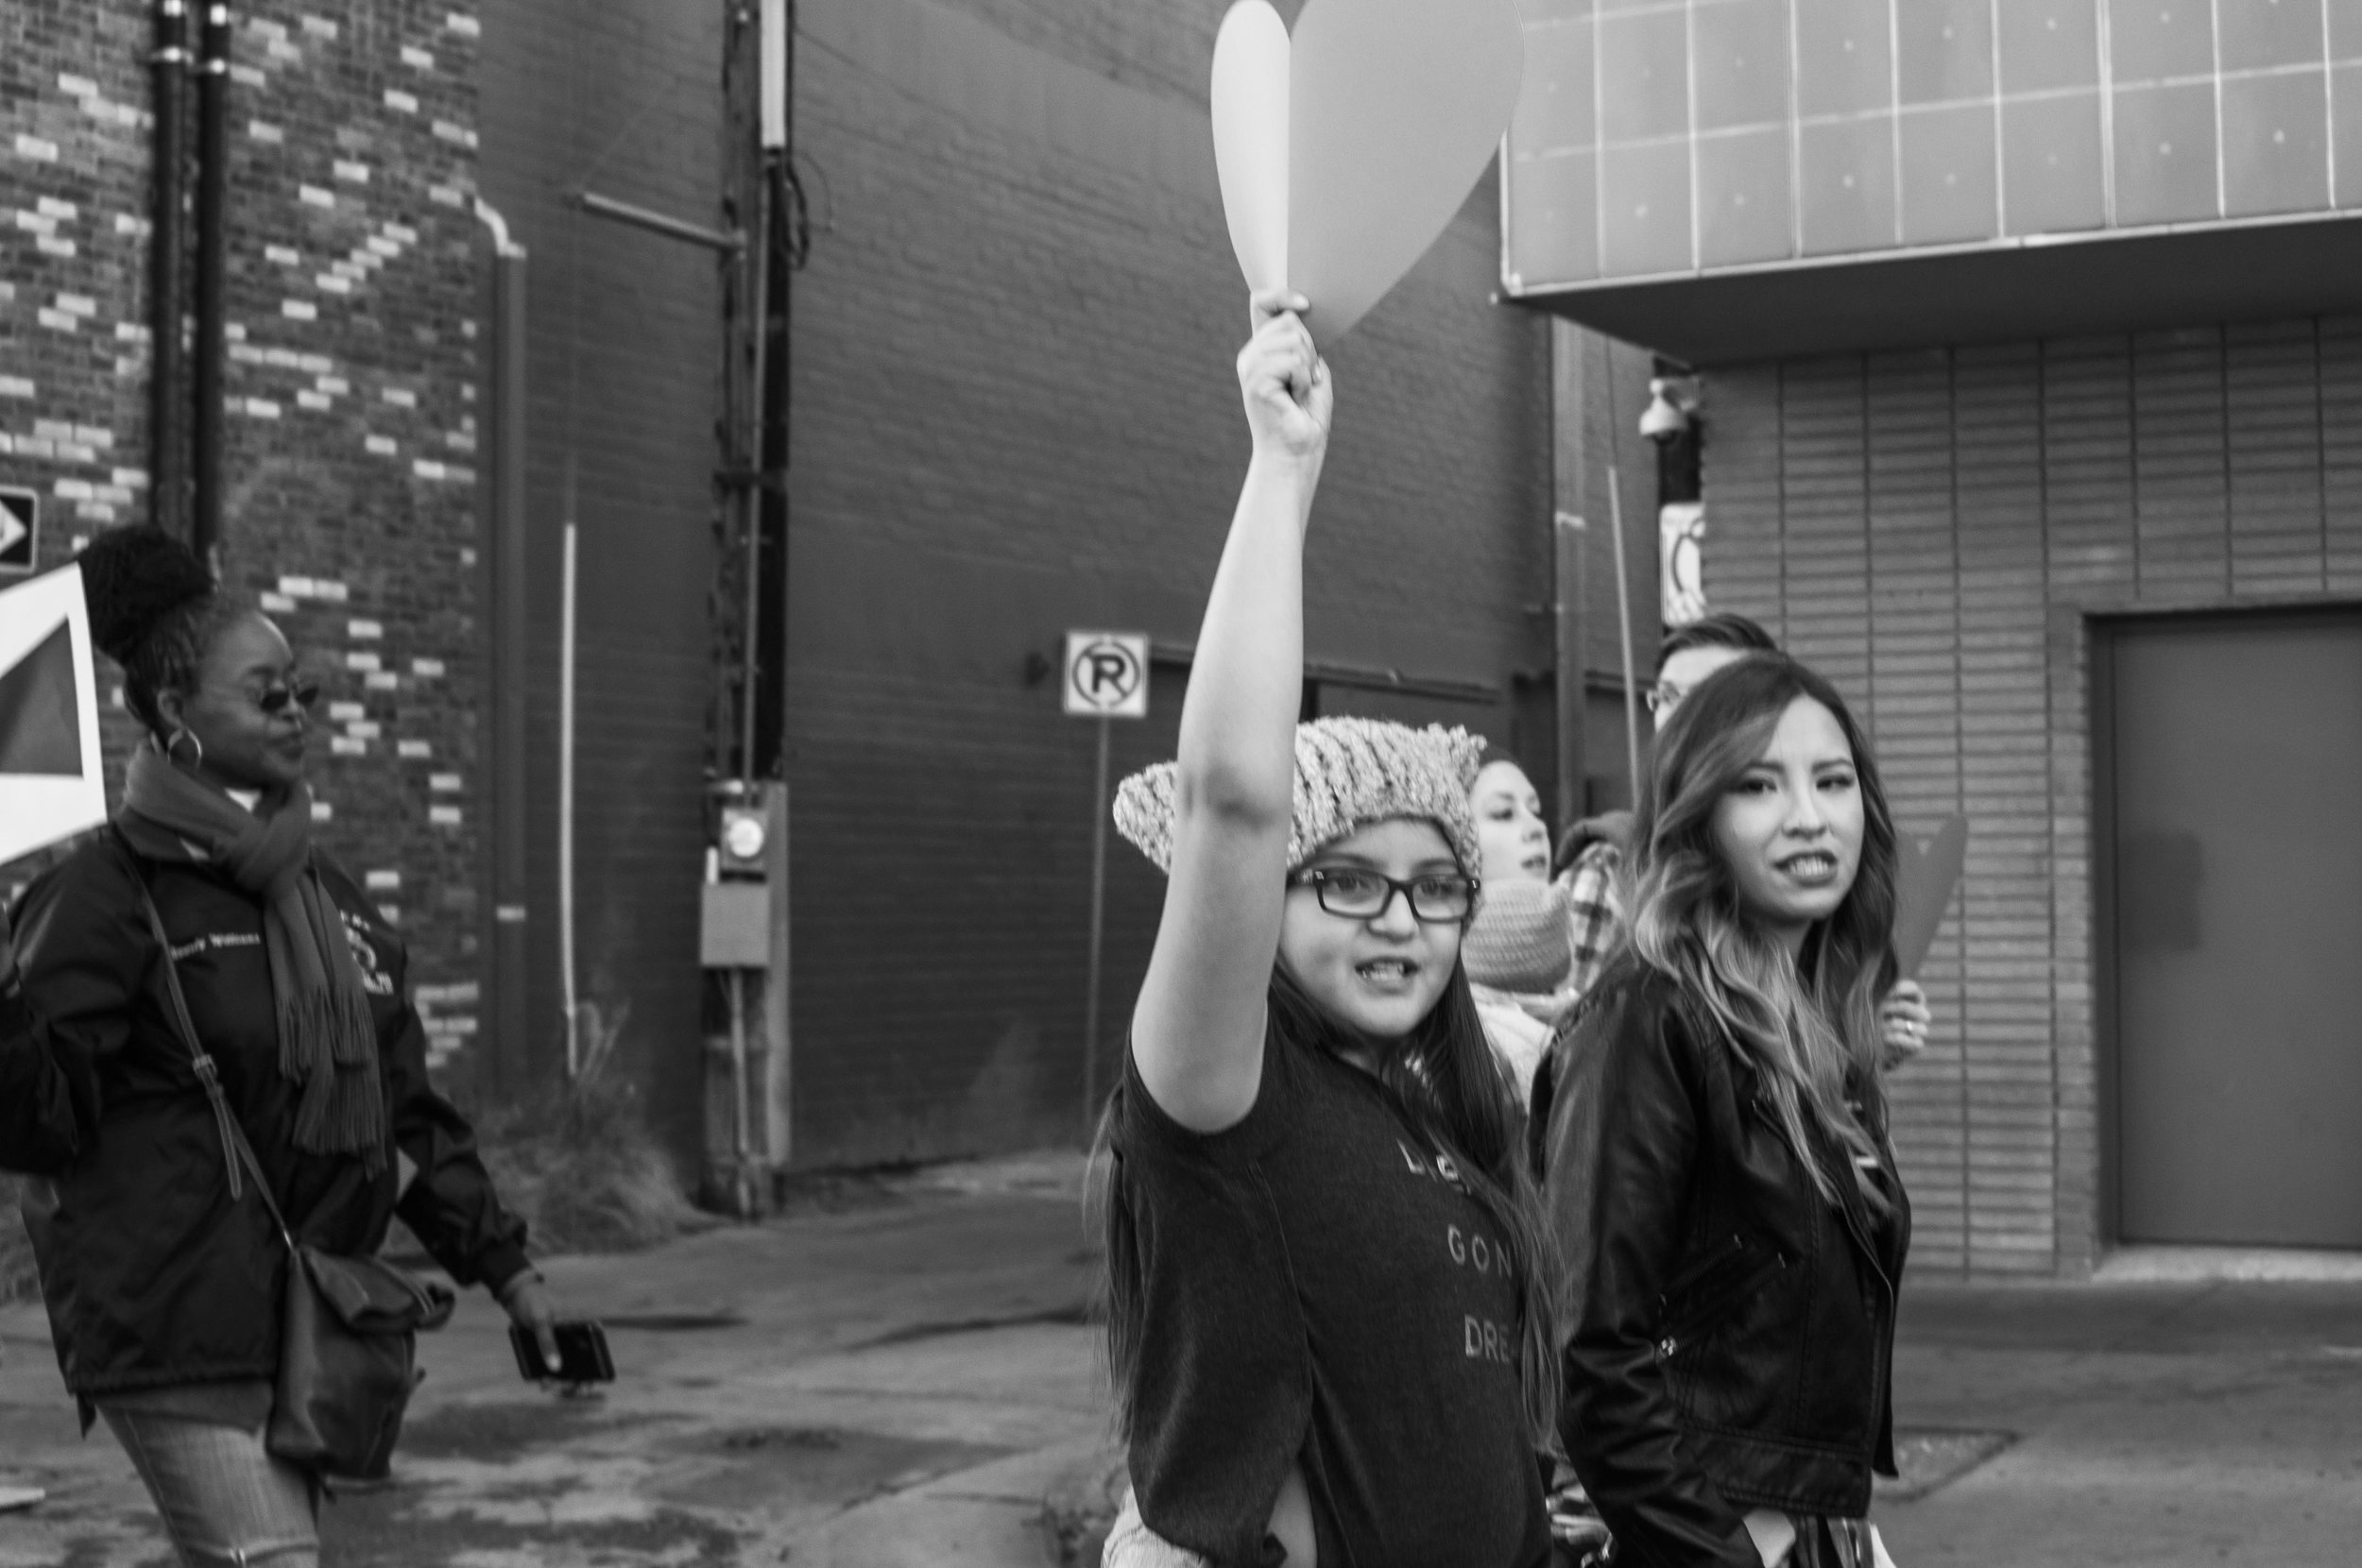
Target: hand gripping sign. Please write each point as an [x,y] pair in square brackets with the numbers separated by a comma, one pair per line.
[52,778]
[1344,150]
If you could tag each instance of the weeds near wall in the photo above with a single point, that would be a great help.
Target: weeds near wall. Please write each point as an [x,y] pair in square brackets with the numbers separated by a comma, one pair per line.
[580,1163]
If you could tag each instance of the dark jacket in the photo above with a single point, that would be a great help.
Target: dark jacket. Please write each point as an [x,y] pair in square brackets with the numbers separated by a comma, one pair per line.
[153,1276]
[1729,1332]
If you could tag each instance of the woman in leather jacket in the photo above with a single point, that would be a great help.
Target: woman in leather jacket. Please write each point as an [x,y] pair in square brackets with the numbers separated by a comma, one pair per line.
[1718,1173]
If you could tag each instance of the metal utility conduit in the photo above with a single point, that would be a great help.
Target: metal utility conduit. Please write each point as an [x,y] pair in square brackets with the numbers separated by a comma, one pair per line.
[728,241]
[167,257]
[504,563]
[212,186]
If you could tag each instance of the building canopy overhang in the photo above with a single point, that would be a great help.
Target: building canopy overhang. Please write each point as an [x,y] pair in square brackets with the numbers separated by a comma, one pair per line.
[2057,286]
[1733,179]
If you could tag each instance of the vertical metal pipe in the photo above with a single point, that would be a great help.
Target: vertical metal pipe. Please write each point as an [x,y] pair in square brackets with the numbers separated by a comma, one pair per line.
[740,1121]
[566,794]
[504,860]
[1568,535]
[755,277]
[1623,623]
[1100,812]
[213,187]
[777,45]
[1570,472]
[167,256]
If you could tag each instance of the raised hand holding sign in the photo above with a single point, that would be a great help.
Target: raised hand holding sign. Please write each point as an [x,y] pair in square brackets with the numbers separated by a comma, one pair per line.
[1344,150]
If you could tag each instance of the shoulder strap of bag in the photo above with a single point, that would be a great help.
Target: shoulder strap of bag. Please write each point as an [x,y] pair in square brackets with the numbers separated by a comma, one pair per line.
[234,1147]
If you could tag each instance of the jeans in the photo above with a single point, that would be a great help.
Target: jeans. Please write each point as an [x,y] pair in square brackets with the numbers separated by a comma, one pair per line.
[226,1502]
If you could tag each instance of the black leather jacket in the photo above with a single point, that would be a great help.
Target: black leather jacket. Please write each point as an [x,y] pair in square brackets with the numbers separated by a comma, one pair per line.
[1728,1332]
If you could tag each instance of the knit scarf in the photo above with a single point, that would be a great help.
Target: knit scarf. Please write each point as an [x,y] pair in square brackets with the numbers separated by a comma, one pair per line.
[327,1040]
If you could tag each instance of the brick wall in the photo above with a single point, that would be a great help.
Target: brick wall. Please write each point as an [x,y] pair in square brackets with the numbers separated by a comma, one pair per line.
[1014,413]
[1931,529]
[623,352]
[349,506]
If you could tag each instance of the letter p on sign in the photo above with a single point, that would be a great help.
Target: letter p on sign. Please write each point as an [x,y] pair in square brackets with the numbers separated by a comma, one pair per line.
[1107,674]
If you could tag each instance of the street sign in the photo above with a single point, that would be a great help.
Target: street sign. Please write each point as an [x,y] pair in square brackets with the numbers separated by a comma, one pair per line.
[1107,674]
[20,528]
[1104,676]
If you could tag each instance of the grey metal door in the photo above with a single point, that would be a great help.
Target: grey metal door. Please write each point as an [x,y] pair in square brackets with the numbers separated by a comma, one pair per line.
[2236,777]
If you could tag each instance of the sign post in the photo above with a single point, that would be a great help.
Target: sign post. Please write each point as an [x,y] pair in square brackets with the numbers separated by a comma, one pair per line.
[1106,679]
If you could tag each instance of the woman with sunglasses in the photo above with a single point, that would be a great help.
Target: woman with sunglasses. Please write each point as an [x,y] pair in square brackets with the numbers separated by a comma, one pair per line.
[163,1289]
[1327,1331]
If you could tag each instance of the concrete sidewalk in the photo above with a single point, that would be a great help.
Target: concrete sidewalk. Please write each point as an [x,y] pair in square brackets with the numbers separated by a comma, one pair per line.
[903,1377]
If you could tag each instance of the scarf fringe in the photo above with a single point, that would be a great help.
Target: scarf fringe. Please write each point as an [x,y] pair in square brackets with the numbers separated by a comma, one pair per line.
[327,1038]
[326,1046]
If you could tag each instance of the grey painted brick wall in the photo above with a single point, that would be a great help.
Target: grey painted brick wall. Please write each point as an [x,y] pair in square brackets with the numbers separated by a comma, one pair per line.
[1014,413]
[623,97]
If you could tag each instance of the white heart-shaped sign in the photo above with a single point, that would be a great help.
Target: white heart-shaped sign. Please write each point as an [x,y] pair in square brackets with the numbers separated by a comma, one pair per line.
[1344,150]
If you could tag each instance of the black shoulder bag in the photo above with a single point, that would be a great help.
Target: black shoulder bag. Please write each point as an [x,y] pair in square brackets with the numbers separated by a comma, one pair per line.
[349,1330]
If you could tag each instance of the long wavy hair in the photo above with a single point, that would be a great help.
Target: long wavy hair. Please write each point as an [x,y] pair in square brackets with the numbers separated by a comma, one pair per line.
[1449,1086]
[1806,1025]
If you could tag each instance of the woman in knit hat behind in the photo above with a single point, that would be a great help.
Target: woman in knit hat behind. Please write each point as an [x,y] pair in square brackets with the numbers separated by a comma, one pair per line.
[162,1283]
[1326,1328]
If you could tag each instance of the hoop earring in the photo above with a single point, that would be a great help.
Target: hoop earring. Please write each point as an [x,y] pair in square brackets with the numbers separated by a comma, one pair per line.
[172,747]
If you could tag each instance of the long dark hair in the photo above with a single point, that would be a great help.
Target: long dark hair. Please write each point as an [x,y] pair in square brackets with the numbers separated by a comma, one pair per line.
[1446,1081]
[1808,1026]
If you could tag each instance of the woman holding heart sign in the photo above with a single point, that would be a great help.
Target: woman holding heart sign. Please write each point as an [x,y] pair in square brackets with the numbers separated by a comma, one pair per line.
[1327,1331]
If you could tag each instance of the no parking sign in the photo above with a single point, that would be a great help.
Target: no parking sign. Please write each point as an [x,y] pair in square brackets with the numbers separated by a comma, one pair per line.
[1107,674]
[1104,676]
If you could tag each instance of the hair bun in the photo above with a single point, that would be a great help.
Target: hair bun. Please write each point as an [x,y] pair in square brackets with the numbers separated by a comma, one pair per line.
[131,579]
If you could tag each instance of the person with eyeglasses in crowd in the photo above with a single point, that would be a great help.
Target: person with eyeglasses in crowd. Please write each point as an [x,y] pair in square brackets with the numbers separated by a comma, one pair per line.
[1326,1328]
[163,1287]
[1590,852]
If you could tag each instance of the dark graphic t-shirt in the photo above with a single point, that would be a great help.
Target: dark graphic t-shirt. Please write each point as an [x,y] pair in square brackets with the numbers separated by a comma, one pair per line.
[1317,1285]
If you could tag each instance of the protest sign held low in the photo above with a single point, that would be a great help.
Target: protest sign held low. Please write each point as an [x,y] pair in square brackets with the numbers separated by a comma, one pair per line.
[1926,876]
[52,777]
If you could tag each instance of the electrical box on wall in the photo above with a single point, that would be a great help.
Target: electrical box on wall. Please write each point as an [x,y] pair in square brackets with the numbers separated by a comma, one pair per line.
[734,925]
[743,832]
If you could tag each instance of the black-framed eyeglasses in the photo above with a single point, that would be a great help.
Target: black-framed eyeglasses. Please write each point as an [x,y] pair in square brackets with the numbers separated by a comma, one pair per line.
[273,699]
[1358,895]
[1662,698]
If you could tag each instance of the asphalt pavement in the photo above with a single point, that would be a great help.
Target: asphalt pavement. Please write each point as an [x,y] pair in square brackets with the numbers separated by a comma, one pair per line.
[900,1373]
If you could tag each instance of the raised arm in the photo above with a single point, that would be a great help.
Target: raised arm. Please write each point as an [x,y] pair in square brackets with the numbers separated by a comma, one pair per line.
[1197,1031]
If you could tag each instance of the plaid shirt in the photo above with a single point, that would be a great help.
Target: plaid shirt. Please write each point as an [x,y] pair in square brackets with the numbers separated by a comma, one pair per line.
[1593,925]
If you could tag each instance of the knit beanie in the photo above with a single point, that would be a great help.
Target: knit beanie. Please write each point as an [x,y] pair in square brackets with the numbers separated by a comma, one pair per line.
[1350,773]
[1518,941]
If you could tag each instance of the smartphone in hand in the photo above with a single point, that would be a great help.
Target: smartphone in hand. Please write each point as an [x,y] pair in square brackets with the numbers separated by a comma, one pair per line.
[581,1353]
